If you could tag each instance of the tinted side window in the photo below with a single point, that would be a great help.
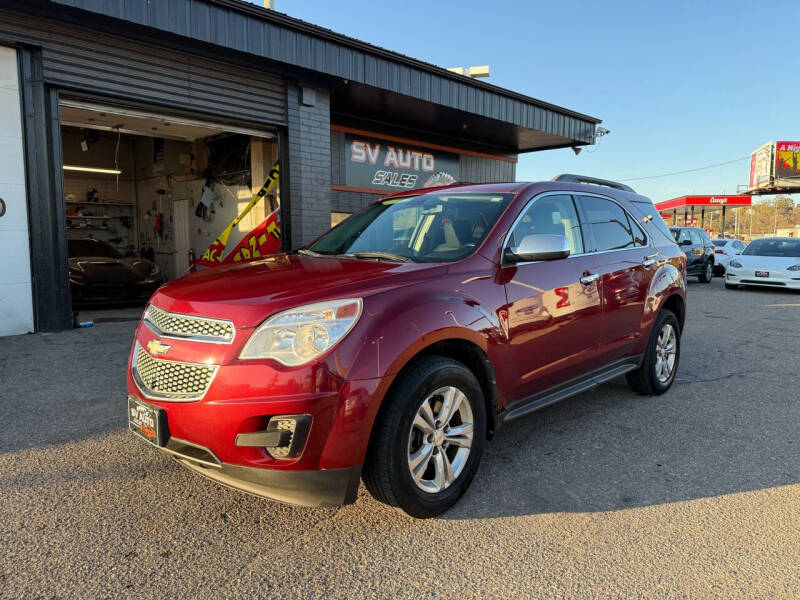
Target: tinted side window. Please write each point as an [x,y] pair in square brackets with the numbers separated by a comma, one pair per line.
[550,214]
[607,223]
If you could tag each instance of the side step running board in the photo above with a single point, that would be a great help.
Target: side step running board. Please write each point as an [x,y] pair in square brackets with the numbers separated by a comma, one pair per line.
[526,406]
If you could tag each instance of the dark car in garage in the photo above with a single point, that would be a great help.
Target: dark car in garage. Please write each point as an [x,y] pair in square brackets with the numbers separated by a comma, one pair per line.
[99,274]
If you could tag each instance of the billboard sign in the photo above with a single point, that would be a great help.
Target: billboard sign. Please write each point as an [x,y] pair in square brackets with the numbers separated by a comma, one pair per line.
[761,166]
[787,161]
[393,167]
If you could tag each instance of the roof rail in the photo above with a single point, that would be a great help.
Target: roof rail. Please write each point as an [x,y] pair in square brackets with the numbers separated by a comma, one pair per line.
[569,178]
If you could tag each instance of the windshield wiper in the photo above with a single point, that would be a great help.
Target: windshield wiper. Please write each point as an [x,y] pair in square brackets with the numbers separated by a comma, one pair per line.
[379,255]
[306,252]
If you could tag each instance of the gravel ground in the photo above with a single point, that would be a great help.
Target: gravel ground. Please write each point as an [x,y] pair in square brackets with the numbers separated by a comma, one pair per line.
[607,495]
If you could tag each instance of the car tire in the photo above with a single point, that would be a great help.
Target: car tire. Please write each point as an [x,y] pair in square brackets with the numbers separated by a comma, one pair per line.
[651,378]
[408,437]
[707,274]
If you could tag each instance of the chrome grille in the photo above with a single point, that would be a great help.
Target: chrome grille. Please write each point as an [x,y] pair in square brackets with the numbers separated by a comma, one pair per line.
[169,379]
[200,329]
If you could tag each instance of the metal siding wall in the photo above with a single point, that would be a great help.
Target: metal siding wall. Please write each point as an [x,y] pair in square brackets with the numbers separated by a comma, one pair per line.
[85,60]
[218,24]
[477,169]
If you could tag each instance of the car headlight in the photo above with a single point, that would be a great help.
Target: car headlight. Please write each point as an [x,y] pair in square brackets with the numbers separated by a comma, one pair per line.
[794,268]
[735,264]
[299,335]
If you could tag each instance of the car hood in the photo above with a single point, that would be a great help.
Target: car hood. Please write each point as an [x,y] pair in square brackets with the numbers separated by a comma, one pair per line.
[248,293]
[95,269]
[765,263]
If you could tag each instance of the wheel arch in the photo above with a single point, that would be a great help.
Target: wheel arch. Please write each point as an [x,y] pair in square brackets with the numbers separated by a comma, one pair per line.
[675,303]
[468,353]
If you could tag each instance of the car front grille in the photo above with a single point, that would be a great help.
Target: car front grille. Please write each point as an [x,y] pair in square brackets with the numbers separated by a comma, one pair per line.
[169,379]
[199,329]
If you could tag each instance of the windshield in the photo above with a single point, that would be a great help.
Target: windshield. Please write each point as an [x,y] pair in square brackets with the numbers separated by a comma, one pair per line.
[76,248]
[435,227]
[774,247]
[675,232]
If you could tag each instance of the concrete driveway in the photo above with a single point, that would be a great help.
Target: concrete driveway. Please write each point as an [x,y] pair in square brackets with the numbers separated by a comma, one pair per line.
[607,495]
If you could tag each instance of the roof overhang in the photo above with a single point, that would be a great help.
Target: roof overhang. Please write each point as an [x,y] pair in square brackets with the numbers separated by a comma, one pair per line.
[705,202]
[373,82]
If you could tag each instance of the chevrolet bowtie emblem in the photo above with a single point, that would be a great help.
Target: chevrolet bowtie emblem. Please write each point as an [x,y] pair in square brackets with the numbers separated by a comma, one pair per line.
[156,348]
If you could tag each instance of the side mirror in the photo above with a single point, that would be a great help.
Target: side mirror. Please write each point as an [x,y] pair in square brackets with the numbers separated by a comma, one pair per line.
[686,243]
[542,246]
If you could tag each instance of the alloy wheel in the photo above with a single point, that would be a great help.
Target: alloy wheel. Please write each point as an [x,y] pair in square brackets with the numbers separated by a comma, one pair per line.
[440,439]
[666,353]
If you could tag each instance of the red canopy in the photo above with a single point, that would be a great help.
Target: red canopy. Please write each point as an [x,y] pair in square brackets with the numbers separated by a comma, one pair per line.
[704,201]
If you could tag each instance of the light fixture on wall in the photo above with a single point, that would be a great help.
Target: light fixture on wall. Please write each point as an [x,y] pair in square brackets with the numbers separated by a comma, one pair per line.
[93,170]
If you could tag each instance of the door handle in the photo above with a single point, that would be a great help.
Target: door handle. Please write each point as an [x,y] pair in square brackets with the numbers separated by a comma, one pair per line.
[649,259]
[590,279]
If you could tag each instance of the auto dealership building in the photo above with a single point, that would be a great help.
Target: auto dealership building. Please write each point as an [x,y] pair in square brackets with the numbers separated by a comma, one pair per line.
[117,116]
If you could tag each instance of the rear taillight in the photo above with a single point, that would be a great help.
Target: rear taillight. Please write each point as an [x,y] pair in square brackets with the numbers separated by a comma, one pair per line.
[720,251]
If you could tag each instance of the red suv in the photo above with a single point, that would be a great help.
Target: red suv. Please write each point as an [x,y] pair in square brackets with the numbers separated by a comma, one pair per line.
[393,346]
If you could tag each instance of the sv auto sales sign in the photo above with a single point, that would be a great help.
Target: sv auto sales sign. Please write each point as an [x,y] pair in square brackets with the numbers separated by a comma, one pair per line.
[393,167]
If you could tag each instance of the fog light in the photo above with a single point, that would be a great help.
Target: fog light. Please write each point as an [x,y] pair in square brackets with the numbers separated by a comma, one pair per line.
[284,437]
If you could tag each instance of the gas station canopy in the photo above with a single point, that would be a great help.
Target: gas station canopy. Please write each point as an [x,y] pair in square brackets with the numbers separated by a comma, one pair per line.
[707,205]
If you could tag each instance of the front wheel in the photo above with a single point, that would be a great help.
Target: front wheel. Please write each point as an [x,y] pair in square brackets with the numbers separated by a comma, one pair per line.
[428,439]
[707,274]
[660,362]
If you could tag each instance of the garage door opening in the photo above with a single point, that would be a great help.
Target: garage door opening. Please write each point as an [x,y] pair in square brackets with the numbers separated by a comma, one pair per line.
[144,192]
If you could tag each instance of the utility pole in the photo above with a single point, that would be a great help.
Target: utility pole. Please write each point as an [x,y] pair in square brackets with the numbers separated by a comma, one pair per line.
[776,217]
[750,212]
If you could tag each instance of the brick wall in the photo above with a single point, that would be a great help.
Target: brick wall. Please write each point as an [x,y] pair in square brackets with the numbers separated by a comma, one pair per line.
[308,116]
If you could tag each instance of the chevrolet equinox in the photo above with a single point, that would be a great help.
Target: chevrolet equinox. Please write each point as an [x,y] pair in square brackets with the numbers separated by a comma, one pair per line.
[392,347]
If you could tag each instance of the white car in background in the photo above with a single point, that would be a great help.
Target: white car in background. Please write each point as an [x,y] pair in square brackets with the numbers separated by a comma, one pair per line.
[724,249]
[768,262]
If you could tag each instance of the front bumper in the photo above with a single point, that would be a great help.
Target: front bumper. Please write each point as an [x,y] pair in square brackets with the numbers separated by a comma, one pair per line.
[112,293]
[329,487]
[777,279]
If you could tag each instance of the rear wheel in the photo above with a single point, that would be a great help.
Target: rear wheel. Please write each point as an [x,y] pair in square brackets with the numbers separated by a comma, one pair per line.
[428,440]
[660,362]
[707,273]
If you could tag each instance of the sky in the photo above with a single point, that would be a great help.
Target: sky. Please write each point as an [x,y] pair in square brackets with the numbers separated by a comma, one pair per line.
[679,84]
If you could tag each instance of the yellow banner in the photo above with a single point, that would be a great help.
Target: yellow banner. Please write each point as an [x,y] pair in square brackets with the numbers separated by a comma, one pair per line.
[213,254]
